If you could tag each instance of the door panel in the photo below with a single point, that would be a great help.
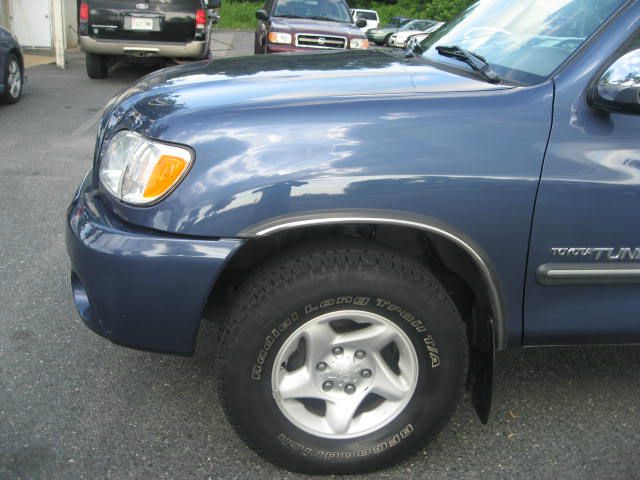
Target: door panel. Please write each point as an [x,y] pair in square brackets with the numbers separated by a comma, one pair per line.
[586,218]
[30,22]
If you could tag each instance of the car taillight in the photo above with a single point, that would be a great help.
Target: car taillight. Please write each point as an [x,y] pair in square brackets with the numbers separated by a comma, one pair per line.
[84,12]
[201,18]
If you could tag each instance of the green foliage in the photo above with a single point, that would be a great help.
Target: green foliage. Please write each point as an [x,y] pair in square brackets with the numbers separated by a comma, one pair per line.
[238,14]
[441,10]
[241,14]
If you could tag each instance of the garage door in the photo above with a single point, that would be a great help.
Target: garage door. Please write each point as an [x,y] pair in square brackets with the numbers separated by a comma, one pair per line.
[30,21]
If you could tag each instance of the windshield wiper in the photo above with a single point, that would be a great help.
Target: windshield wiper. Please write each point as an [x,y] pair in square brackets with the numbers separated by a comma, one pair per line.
[477,62]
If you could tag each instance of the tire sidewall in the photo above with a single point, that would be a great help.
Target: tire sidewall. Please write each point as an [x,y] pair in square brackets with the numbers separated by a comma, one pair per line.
[428,320]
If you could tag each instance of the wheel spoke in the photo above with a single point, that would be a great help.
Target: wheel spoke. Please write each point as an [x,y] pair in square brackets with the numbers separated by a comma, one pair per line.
[386,383]
[318,339]
[374,337]
[298,384]
[339,414]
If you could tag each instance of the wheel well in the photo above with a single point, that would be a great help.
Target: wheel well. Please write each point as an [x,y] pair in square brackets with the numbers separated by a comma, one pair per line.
[16,52]
[460,268]
[453,266]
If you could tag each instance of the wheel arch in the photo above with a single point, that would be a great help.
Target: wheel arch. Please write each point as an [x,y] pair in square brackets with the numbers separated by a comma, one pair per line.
[456,251]
[18,54]
[457,261]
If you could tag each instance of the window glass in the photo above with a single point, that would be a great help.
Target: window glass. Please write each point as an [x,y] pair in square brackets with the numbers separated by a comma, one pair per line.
[331,10]
[523,40]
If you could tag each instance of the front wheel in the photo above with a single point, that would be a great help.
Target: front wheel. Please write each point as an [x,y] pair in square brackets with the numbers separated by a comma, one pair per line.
[341,359]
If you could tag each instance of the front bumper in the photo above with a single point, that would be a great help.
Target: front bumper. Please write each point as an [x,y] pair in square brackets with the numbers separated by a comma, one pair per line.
[196,49]
[283,48]
[136,287]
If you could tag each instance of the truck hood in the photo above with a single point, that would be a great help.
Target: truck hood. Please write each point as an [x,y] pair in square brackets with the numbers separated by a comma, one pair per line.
[278,80]
[305,25]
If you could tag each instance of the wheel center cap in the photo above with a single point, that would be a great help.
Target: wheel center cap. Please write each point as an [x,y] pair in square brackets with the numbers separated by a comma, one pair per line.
[344,372]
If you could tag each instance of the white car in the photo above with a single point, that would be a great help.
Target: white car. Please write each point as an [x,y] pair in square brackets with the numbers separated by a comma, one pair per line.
[419,29]
[371,16]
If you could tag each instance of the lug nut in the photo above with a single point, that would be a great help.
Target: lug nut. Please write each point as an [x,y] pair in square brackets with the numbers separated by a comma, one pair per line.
[321,367]
[328,385]
[360,354]
[349,389]
[337,351]
[366,373]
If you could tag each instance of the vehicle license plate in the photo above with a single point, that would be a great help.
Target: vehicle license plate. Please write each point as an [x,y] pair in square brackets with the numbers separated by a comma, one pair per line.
[141,23]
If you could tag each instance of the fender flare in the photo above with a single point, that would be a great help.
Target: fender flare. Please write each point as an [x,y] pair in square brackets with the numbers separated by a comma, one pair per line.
[390,217]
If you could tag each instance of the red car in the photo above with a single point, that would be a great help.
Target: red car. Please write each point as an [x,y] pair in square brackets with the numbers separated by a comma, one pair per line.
[301,25]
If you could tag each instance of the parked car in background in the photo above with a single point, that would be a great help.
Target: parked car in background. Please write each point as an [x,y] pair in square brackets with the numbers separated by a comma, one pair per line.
[418,29]
[380,36]
[356,297]
[143,30]
[11,68]
[398,21]
[303,25]
[371,17]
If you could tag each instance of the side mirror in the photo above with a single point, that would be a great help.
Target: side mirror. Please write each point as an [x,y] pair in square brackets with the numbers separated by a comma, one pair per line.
[262,15]
[618,90]
[361,23]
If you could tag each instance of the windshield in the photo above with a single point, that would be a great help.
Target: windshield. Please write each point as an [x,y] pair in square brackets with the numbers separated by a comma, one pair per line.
[333,10]
[525,40]
[417,25]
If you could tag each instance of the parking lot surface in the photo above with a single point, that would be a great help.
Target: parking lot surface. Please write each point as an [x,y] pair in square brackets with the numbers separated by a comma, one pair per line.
[72,405]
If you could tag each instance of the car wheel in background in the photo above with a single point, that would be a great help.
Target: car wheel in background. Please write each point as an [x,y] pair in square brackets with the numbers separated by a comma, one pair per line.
[341,358]
[387,40]
[96,66]
[13,80]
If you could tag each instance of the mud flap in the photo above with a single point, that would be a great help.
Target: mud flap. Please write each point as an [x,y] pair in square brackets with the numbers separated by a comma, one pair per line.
[482,355]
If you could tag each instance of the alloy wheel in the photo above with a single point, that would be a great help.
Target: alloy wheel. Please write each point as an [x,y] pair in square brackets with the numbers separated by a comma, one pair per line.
[345,374]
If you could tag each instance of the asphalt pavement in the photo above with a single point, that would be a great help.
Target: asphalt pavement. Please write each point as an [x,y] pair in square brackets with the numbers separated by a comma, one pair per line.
[74,406]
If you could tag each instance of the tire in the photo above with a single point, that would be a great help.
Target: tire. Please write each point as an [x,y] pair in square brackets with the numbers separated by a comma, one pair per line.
[387,39]
[96,66]
[309,292]
[13,78]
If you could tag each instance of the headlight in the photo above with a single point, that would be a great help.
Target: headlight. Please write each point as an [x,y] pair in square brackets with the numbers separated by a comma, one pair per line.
[279,37]
[359,43]
[138,170]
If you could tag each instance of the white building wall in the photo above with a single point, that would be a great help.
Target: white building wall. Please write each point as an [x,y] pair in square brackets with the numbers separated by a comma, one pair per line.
[4,14]
[70,9]
[71,22]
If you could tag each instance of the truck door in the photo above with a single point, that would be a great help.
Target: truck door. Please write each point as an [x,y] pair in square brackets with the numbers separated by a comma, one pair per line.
[583,275]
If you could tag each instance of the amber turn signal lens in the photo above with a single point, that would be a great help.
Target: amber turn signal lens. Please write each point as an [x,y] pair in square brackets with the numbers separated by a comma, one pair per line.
[165,174]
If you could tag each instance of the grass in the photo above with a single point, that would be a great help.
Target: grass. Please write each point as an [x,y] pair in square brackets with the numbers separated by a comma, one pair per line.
[242,15]
[238,14]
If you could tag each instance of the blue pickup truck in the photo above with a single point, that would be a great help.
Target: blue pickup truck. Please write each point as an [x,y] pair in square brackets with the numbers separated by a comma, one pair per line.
[367,228]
